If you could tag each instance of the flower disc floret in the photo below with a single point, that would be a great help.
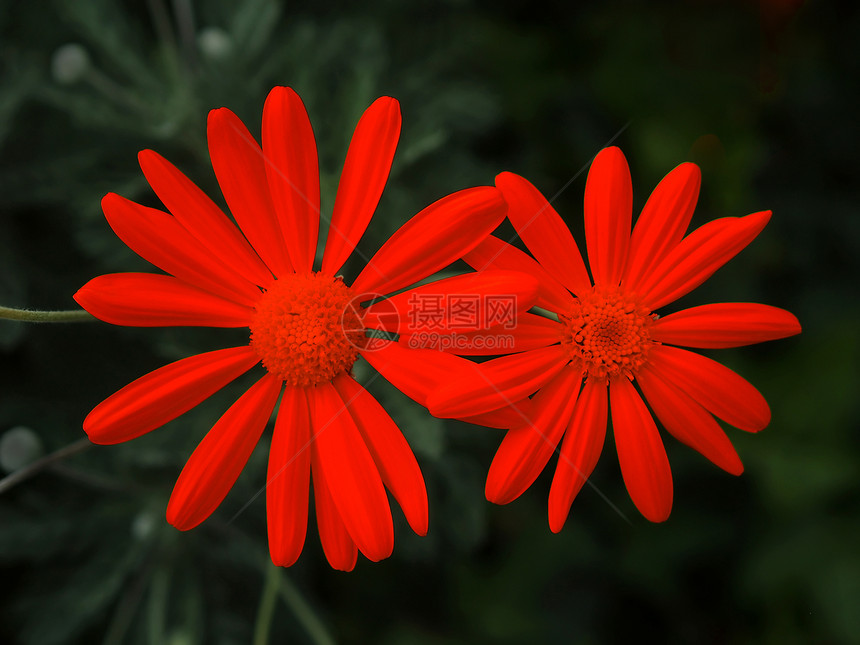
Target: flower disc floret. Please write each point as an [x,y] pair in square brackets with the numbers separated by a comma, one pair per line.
[306,329]
[607,332]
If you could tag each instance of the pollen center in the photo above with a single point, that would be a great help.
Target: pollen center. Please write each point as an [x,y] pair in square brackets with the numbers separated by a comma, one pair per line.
[608,332]
[306,329]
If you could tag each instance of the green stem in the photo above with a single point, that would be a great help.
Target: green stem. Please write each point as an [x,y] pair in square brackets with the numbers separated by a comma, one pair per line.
[159,594]
[27,315]
[277,583]
[303,612]
[267,606]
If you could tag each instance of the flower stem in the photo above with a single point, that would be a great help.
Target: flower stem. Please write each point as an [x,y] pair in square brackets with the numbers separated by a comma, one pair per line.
[277,583]
[267,606]
[303,612]
[27,315]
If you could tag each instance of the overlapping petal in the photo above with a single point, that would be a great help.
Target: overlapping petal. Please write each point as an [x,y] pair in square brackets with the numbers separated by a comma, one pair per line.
[160,239]
[149,300]
[292,169]
[202,218]
[729,324]
[351,474]
[644,464]
[608,212]
[489,386]
[493,253]
[397,364]
[698,256]
[438,306]
[397,464]
[365,172]
[528,332]
[160,396]
[525,451]
[662,223]
[712,385]
[240,167]
[544,232]
[338,546]
[288,478]
[217,461]
[580,450]
[434,238]
[688,421]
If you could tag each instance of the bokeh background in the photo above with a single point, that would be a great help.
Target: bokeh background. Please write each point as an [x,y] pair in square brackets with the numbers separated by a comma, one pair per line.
[763,95]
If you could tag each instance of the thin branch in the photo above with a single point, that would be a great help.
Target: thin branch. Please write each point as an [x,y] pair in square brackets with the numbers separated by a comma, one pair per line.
[28,315]
[39,465]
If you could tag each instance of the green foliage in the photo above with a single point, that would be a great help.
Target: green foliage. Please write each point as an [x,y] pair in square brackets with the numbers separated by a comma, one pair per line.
[764,102]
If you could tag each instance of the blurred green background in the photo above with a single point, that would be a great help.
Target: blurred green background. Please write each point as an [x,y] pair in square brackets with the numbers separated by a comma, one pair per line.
[763,95]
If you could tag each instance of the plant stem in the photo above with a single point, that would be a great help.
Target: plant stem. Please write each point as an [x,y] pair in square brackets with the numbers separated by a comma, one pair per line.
[303,612]
[267,606]
[277,582]
[27,315]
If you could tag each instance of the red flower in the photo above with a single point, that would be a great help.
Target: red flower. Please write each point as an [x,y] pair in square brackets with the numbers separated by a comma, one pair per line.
[606,338]
[306,326]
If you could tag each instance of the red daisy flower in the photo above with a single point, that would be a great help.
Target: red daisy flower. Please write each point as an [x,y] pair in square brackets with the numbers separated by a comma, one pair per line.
[606,337]
[306,326]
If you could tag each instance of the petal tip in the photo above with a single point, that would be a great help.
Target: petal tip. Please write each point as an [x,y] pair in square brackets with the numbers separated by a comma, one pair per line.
[179,520]
[555,524]
[388,102]
[219,116]
[506,177]
[146,156]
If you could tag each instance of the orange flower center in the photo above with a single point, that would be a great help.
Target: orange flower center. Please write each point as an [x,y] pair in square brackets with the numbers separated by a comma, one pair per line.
[307,329]
[608,332]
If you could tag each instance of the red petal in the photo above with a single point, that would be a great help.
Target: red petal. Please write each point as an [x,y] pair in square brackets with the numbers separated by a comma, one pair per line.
[351,475]
[528,332]
[149,300]
[478,388]
[215,464]
[202,218]
[544,232]
[464,302]
[608,213]
[390,451]
[715,387]
[729,324]
[160,239]
[493,253]
[292,169]
[644,465]
[339,549]
[241,171]
[504,418]
[434,238]
[365,171]
[397,364]
[580,450]
[160,396]
[699,255]
[525,451]
[688,421]
[288,478]
[663,222]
